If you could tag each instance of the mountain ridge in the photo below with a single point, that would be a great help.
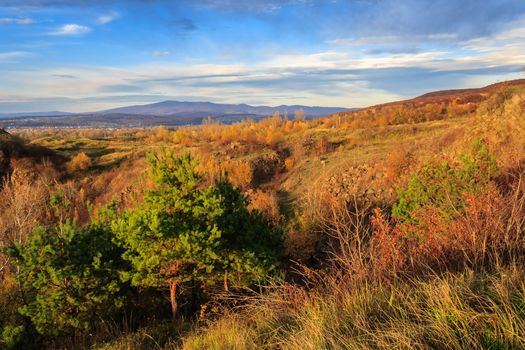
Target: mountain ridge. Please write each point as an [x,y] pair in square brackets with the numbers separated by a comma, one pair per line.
[198,108]
[169,113]
[34,114]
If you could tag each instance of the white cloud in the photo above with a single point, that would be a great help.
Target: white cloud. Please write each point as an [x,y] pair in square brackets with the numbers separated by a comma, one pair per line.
[71,29]
[21,21]
[340,76]
[513,35]
[13,55]
[161,53]
[392,39]
[107,18]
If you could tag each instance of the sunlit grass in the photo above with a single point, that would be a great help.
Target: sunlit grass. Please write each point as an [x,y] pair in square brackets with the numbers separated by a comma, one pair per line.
[454,311]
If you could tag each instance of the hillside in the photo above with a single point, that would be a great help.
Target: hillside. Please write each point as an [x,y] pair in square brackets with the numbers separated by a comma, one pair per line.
[490,89]
[395,234]
[430,106]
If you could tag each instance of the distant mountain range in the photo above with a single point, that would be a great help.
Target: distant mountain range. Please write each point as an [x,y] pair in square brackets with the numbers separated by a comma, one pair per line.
[34,114]
[204,109]
[161,113]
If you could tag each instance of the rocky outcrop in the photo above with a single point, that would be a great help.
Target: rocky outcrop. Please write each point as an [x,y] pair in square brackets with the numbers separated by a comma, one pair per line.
[361,182]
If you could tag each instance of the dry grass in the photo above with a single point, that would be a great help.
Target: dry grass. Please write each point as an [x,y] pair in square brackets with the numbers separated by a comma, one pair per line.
[453,311]
[441,284]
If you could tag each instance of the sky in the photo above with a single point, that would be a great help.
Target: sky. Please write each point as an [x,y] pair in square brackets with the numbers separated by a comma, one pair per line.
[89,55]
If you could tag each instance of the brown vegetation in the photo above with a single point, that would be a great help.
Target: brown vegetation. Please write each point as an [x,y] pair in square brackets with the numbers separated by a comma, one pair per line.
[81,162]
[356,276]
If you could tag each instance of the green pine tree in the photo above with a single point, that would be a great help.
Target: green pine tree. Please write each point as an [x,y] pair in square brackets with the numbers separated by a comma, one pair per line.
[71,275]
[185,231]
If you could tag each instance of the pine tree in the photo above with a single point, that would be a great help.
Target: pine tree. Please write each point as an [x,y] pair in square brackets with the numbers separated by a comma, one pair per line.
[71,275]
[185,232]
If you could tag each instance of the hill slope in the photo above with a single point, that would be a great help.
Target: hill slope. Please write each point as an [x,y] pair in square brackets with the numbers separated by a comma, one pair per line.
[436,105]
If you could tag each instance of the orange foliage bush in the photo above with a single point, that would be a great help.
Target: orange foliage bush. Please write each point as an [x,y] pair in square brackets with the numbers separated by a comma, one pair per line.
[288,164]
[80,162]
[488,233]
[239,173]
[265,202]
[323,145]
[397,162]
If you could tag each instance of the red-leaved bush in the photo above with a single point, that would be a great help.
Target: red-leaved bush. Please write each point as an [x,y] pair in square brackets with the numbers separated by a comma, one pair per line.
[486,233]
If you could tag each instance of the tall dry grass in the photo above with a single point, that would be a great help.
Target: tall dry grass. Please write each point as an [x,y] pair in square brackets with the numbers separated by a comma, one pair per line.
[466,310]
[438,284]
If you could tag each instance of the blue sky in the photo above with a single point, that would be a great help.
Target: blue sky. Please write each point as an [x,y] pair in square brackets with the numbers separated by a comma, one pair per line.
[87,55]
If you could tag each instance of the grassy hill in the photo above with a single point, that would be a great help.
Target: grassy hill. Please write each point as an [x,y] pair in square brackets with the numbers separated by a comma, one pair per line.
[431,106]
[404,224]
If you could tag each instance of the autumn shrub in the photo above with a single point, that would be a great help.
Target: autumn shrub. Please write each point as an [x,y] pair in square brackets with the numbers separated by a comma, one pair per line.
[23,171]
[443,184]
[240,173]
[396,164]
[272,137]
[24,205]
[328,229]
[298,151]
[161,135]
[265,167]
[265,202]
[47,171]
[323,146]
[487,233]
[80,162]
